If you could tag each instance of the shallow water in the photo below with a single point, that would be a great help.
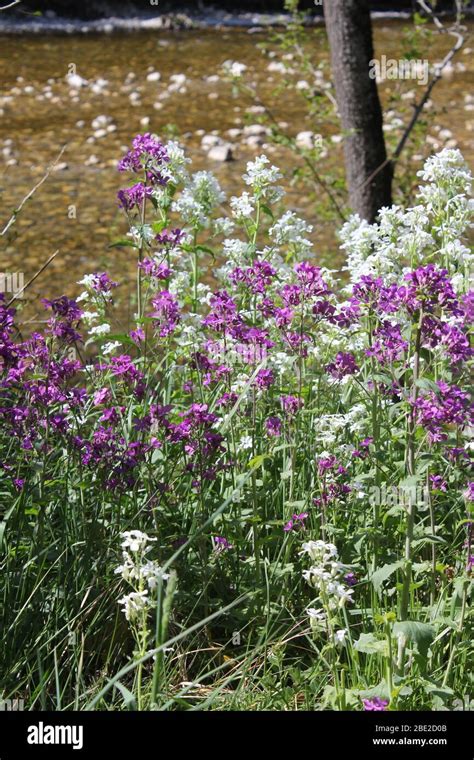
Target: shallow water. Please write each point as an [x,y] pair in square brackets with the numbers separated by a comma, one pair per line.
[40,115]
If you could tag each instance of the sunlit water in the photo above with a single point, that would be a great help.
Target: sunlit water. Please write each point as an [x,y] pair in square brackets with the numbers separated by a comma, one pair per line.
[75,211]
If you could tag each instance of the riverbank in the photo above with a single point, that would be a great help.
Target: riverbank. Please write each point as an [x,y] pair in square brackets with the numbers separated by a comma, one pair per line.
[52,23]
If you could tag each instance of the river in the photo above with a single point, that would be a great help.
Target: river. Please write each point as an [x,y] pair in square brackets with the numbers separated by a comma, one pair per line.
[75,210]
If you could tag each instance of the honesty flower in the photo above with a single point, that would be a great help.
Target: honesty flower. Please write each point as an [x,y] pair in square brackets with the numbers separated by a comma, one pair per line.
[340,636]
[136,540]
[260,176]
[376,704]
[317,615]
[134,604]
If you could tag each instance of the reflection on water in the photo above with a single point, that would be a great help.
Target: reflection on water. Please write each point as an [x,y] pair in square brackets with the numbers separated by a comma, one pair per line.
[75,210]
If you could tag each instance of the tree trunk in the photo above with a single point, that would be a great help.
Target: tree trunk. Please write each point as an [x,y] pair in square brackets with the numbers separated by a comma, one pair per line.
[349,31]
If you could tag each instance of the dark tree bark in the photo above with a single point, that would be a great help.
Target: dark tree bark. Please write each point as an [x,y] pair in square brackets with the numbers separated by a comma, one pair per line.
[349,31]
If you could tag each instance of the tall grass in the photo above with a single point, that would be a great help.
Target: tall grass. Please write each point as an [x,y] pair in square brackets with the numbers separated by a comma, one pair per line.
[268,475]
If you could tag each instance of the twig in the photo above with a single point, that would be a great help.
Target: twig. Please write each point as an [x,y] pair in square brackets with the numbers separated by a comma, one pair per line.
[437,74]
[35,276]
[438,69]
[32,192]
[6,7]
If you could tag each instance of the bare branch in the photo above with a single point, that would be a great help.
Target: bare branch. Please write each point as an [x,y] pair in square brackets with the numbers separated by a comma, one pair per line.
[35,277]
[6,7]
[32,192]
[437,74]
[438,69]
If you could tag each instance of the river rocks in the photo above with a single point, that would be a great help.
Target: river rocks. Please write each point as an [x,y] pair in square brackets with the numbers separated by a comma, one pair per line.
[254,141]
[221,153]
[153,76]
[256,109]
[277,66]
[177,82]
[233,133]
[210,141]
[101,121]
[75,81]
[255,130]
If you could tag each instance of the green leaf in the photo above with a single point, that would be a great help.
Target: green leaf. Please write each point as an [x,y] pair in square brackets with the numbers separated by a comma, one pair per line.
[368,644]
[266,210]
[383,573]
[417,633]
[128,697]
[258,461]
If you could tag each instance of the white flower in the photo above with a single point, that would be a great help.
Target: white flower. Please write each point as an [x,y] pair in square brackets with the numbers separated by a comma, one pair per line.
[88,280]
[134,603]
[318,615]
[199,199]
[135,540]
[175,169]
[235,250]
[223,226]
[242,206]
[89,316]
[245,443]
[447,166]
[340,636]
[151,572]
[103,329]
[290,230]
[259,175]
[107,348]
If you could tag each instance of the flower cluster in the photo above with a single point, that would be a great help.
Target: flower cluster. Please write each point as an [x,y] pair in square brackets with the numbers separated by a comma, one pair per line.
[140,572]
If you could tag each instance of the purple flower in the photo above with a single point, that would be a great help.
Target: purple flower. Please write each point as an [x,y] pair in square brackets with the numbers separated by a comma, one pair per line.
[66,315]
[273,426]
[452,339]
[450,406]
[138,335]
[428,287]
[291,405]
[170,237]
[221,544]
[223,315]
[166,312]
[133,197]
[102,283]
[147,155]
[468,307]
[296,522]
[438,483]
[376,704]
[388,345]
[158,270]
[350,579]
[265,378]
[343,365]
[256,278]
